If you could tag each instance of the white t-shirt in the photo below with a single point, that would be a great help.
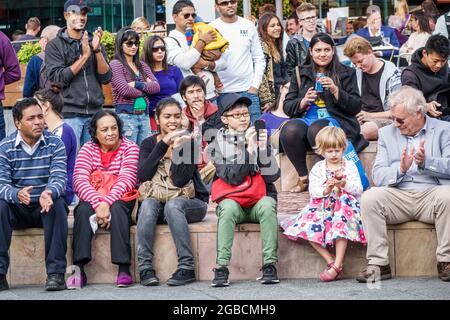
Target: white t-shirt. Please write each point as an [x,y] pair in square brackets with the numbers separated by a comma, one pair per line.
[245,58]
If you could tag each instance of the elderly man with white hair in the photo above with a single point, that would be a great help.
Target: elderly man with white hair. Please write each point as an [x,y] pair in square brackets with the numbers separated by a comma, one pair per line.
[412,178]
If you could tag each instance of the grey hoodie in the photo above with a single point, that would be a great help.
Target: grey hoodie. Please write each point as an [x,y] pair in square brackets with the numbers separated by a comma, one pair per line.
[82,93]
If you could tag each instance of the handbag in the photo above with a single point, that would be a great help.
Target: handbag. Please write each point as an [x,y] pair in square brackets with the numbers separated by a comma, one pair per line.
[247,194]
[161,186]
[104,181]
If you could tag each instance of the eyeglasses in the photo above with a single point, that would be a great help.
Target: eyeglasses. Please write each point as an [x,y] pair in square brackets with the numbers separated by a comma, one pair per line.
[227,3]
[187,15]
[130,44]
[156,49]
[309,19]
[238,115]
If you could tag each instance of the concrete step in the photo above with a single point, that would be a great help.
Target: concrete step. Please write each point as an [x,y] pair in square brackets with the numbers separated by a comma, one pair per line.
[412,251]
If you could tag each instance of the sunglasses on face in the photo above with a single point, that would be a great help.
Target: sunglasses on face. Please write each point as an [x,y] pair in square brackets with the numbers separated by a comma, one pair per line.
[130,44]
[156,49]
[226,3]
[187,15]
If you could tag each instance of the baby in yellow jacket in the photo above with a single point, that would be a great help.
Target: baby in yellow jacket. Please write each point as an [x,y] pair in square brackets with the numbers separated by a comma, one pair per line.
[211,52]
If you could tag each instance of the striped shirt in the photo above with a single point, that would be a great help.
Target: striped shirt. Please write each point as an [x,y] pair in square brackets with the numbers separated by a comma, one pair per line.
[123,93]
[124,165]
[44,169]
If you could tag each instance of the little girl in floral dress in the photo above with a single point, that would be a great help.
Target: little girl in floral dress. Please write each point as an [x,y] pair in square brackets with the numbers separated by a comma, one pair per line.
[332,217]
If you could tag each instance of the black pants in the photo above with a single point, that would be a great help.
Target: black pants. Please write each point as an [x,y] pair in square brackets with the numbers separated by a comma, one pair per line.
[54,222]
[119,228]
[296,138]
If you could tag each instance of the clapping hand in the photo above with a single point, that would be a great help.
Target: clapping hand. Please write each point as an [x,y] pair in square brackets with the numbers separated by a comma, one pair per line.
[406,160]
[419,156]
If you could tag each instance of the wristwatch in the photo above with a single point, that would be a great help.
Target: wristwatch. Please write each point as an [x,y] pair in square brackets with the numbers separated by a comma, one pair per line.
[97,51]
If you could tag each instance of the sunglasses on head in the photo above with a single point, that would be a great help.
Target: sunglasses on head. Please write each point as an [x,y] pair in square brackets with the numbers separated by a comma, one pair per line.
[226,3]
[156,49]
[187,15]
[131,43]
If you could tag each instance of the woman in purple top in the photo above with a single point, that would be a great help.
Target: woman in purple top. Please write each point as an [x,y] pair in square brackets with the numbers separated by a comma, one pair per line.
[51,102]
[169,77]
[132,80]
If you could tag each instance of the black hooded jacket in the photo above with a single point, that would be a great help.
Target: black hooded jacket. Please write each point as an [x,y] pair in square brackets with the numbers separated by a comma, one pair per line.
[82,93]
[435,86]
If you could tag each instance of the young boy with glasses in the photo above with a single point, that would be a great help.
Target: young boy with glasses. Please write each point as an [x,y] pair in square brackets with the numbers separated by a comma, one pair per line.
[239,151]
[297,47]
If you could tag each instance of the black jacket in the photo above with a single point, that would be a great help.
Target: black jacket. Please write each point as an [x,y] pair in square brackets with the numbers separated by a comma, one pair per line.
[344,110]
[151,152]
[235,174]
[435,86]
[82,93]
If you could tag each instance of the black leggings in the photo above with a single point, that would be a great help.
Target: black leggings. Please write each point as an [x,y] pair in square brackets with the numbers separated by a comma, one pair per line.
[296,138]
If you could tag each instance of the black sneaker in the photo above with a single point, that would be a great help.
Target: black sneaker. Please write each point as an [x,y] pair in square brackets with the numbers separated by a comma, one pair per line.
[269,274]
[148,278]
[55,282]
[181,277]
[220,277]
[3,282]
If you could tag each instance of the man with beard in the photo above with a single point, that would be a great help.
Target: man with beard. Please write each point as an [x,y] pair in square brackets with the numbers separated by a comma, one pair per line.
[76,60]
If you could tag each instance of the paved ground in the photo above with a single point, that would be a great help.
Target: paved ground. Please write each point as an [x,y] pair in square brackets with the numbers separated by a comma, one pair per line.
[306,289]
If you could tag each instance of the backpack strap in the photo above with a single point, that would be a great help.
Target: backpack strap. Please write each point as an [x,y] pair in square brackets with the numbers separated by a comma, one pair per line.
[178,42]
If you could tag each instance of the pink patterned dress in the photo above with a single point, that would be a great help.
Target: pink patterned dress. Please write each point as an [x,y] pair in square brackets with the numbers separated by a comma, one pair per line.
[337,215]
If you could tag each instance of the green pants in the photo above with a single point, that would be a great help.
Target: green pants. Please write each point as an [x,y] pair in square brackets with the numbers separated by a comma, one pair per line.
[230,213]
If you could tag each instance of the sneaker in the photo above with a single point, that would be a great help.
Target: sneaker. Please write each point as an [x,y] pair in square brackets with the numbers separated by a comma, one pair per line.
[220,277]
[372,271]
[3,283]
[124,280]
[76,281]
[181,277]
[148,278]
[269,274]
[55,282]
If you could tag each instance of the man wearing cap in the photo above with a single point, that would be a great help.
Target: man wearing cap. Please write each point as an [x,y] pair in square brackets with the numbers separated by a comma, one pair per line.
[76,60]
[237,153]
[375,28]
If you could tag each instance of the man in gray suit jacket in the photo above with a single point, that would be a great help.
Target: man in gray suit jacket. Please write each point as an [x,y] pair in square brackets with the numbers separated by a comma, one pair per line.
[412,178]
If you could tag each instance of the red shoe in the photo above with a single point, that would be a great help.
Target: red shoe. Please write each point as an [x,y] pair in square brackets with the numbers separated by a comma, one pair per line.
[326,277]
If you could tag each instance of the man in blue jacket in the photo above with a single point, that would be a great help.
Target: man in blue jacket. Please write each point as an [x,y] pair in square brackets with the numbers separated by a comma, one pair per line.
[375,28]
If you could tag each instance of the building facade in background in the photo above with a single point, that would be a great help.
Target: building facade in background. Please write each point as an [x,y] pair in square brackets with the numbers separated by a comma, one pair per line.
[111,15]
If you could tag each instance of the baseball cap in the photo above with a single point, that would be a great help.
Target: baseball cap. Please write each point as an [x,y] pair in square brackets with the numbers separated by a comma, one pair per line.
[76,5]
[231,99]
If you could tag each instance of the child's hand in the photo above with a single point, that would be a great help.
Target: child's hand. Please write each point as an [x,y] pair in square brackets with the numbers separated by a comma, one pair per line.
[341,183]
[329,185]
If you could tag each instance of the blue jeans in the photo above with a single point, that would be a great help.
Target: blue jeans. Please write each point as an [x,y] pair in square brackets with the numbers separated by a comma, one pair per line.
[254,109]
[136,127]
[2,123]
[81,127]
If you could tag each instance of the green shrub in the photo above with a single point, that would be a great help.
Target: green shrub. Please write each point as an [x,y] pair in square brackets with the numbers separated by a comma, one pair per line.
[28,50]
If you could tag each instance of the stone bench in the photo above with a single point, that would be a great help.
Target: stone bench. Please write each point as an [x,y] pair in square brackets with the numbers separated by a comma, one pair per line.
[412,251]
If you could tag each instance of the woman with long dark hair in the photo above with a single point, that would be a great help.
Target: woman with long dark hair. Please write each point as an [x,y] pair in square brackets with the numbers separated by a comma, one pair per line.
[132,80]
[169,77]
[271,34]
[327,94]
[421,32]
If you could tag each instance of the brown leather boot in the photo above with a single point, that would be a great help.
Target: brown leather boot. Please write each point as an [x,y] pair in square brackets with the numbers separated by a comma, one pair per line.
[444,271]
[370,272]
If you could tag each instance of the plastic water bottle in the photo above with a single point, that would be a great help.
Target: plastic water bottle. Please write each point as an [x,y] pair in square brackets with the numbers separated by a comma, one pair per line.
[189,35]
